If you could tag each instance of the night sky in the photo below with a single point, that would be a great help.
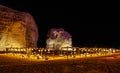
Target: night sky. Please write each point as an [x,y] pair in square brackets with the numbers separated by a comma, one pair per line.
[89,26]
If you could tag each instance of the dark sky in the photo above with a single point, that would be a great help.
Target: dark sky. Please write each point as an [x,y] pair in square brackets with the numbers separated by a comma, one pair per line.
[89,26]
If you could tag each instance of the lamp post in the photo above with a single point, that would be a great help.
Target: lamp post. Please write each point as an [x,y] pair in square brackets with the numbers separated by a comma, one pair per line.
[61,51]
[53,51]
[67,52]
[73,52]
[46,51]
[41,50]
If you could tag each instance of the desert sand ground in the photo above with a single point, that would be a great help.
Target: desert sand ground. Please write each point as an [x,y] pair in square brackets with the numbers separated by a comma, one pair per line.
[104,64]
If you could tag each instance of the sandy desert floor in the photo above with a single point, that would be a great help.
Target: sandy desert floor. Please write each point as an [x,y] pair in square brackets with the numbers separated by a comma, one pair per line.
[104,64]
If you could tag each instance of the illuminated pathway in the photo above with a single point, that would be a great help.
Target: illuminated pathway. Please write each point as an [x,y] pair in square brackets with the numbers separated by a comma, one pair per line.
[34,58]
[110,63]
[13,58]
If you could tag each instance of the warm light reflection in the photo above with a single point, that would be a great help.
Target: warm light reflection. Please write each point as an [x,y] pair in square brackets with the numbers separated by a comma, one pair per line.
[63,53]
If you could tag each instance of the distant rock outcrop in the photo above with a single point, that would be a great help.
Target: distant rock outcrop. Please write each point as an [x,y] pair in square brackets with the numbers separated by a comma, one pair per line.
[17,29]
[58,38]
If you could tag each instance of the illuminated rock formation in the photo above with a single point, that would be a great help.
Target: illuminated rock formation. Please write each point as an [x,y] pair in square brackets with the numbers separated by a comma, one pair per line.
[58,38]
[17,29]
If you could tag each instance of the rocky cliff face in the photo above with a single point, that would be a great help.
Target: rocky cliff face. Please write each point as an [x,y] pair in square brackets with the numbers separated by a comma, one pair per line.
[58,38]
[17,29]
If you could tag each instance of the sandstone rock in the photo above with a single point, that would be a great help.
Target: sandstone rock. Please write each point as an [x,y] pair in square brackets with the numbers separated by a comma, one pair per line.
[17,29]
[58,38]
